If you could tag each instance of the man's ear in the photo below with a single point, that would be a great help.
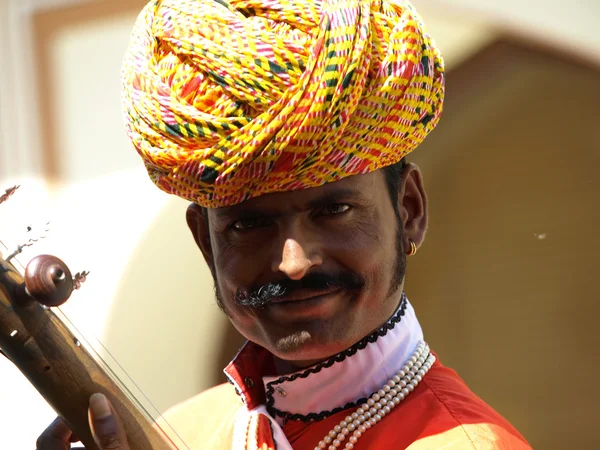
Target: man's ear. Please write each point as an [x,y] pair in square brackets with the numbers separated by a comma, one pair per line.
[197,220]
[412,205]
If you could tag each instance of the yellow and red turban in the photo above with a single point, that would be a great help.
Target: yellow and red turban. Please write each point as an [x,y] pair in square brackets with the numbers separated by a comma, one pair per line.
[226,100]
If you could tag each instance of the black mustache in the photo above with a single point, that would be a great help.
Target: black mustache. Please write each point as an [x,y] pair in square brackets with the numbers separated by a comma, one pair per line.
[261,296]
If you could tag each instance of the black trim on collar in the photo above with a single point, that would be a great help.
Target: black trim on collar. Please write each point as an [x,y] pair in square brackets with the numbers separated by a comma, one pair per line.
[389,325]
[237,391]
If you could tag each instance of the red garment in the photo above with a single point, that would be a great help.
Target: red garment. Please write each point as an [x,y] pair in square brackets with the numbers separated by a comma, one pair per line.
[440,413]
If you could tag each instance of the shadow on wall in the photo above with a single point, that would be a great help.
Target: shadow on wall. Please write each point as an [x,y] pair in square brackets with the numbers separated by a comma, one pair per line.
[165,301]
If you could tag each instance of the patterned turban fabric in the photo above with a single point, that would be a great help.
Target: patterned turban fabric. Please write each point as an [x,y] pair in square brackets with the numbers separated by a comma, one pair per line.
[226,100]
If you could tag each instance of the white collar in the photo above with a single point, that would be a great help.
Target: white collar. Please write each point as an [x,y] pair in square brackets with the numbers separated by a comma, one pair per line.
[348,378]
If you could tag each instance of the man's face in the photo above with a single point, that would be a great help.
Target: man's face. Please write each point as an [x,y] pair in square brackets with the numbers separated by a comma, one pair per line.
[308,273]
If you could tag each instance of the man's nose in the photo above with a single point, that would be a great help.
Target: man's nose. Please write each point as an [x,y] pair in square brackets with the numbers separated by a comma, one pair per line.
[296,260]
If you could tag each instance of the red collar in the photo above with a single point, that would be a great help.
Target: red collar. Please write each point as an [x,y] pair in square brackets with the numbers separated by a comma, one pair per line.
[246,373]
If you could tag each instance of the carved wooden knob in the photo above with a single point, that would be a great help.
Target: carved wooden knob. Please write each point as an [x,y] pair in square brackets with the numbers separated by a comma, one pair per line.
[48,280]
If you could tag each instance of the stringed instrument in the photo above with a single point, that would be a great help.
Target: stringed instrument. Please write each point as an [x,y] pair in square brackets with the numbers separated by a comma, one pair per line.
[54,360]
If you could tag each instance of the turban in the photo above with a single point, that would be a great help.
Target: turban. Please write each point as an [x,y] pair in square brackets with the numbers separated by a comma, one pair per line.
[226,100]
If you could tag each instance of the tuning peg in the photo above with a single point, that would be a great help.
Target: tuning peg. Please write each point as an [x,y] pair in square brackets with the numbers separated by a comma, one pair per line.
[79,279]
[8,193]
[18,251]
[48,280]
[29,243]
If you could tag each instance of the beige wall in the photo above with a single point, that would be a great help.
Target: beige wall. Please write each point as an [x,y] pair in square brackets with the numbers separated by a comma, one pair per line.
[570,26]
[506,284]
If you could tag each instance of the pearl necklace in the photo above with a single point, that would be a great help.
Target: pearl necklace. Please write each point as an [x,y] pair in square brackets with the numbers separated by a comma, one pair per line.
[381,402]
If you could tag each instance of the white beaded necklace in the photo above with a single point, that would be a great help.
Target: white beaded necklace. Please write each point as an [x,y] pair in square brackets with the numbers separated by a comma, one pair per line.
[381,402]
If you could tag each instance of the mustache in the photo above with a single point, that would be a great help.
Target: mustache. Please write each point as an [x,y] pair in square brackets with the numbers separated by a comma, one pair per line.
[261,296]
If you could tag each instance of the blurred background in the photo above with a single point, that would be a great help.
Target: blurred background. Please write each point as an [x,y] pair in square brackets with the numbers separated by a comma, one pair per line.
[505,286]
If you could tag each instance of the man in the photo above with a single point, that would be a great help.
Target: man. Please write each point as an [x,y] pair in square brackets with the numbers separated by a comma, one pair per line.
[286,124]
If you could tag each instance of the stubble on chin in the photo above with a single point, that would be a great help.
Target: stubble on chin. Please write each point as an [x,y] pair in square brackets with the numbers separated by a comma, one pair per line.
[292,343]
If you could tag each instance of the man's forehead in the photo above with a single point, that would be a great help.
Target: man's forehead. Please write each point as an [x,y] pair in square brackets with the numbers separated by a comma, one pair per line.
[354,187]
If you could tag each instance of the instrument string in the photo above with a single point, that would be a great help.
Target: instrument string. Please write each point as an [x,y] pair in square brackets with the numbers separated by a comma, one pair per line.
[64,317]
[108,367]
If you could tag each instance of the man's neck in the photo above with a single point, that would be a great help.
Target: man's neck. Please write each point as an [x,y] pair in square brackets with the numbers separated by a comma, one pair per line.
[285,367]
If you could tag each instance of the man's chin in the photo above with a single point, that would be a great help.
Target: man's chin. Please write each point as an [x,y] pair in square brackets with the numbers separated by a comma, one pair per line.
[300,350]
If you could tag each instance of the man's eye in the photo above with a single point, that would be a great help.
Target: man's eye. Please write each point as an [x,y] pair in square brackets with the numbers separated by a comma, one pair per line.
[335,208]
[248,224]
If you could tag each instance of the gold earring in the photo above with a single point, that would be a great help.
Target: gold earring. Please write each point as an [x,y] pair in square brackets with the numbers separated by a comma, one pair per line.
[413,248]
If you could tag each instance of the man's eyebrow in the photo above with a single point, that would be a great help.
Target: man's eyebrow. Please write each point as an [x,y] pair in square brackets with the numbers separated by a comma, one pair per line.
[338,195]
[334,195]
[237,212]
